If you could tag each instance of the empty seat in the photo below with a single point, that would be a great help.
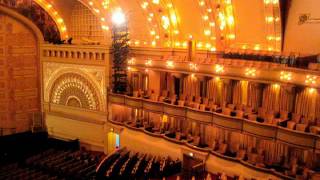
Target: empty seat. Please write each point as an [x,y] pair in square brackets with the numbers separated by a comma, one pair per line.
[291,125]
[226,111]
[301,127]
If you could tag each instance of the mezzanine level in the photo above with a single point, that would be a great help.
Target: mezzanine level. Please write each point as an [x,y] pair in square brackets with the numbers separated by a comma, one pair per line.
[296,138]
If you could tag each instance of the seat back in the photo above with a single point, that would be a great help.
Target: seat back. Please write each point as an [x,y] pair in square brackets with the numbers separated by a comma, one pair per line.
[301,127]
[284,115]
[226,111]
[261,112]
[231,106]
[291,125]
[296,117]
[239,113]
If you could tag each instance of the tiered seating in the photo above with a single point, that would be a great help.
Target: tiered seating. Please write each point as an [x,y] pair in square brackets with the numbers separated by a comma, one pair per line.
[125,164]
[53,159]
[292,60]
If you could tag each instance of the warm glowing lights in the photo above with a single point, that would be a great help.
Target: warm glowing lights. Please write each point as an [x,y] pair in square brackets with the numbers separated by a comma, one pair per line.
[311,80]
[148,62]
[193,67]
[144,5]
[165,22]
[251,72]
[170,64]
[285,76]
[132,61]
[118,17]
[207,32]
[55,16]
[311,90]
[155,1]
[276,86]
[219,69]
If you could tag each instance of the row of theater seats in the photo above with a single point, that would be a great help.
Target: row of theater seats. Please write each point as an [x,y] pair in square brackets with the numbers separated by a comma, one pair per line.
[292,60]
[125,164]
[250,155]
[292,121]
[54,164]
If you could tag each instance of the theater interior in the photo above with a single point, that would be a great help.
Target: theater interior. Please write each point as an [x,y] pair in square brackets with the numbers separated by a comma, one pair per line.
[160,89]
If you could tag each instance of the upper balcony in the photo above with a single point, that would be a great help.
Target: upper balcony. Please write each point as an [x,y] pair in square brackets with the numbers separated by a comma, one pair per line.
[230,66]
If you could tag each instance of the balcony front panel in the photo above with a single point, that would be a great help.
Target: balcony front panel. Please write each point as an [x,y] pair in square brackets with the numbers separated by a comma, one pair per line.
[260,130]
[296,138]
[203,117]
[116,99]
[227,122]
[172,110]
[152,106]
[133,102]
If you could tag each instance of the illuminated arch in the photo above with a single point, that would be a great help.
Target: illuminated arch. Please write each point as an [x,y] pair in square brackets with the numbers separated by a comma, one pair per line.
[74,86]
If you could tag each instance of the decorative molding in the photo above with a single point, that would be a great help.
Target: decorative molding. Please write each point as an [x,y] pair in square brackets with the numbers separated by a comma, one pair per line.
[95,77]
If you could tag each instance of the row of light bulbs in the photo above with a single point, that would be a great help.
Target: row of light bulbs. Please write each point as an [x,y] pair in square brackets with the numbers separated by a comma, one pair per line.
[55,16]
[310,80]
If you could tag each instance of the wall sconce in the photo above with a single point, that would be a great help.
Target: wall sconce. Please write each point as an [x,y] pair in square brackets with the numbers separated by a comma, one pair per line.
[132,61]
[250,72]
[285,76]
[149,62]
[311,80]
[193,67]
[170,64]
[219,69]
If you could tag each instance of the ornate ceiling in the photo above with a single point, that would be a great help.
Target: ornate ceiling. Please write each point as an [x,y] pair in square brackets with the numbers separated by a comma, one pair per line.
[212,24]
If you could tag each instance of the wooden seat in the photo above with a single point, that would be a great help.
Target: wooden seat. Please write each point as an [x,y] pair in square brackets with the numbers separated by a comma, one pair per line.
[202,107]
[205,101]
[196,141]
[181,103]
[173,98]
[291,125]
[241,154]
[212,106]
[262,112]
[154,97]
[301,127]
[222,148]
[296,117]
[226,111]
[135,94]
[248,110]
[231,106]
[196,105]
[252,117]
[239,114]
[269,118]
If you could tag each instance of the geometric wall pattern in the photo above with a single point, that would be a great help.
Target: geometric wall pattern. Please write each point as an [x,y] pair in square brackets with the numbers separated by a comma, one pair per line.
[74,85]
[19,75]
[73,90]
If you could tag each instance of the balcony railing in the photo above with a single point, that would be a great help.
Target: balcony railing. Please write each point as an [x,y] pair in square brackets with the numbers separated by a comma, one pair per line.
[75,52]
[261,130]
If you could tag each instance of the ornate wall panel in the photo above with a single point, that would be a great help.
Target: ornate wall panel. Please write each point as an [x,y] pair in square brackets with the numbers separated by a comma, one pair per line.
[74,85]
[19,74]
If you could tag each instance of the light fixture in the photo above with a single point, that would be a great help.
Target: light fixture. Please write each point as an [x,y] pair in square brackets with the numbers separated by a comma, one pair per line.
[118,17]
[250,72]
[170,64]
[285,76]
[193,67]
[311,80]
[132,61]
[219,69]
[149,62]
